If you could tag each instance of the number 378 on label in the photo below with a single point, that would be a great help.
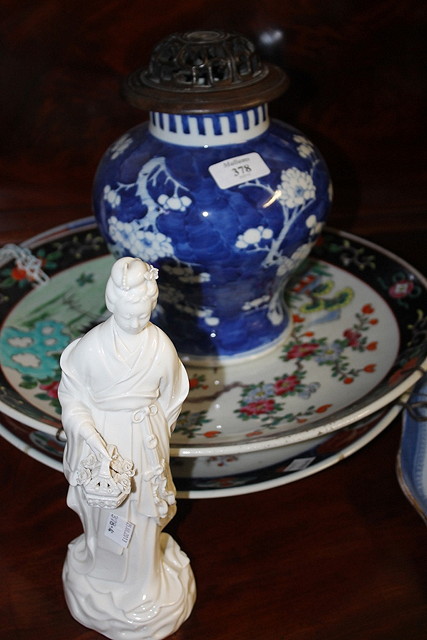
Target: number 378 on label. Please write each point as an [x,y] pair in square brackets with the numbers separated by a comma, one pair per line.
[234,171]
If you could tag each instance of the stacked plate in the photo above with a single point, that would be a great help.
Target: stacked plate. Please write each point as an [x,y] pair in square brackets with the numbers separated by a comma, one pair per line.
[356,346]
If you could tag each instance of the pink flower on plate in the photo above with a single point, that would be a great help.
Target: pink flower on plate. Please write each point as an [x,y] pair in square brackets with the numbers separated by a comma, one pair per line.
[303,350]
[51,389]
[353,337]
[401,289]
[258,407]
[285,385]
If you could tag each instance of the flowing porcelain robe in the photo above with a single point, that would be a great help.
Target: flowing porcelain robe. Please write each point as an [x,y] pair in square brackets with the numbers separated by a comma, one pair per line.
[131,389]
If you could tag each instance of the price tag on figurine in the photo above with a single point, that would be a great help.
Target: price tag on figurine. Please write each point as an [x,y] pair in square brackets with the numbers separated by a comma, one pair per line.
[234,171]
[118,529]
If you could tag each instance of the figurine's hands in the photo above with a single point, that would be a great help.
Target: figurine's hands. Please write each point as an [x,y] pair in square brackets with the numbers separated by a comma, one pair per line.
[98,446]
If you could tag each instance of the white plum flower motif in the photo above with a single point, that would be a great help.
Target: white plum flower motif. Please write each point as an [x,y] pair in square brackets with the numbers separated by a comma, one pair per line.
[305,147]
[304,150]
[297,187]
[311,221]
[202,277]
[119,146]
[148,245]
[301,139]
[256,303]
[112,197]
[288,264]
[253,236]
[315,227]
[212,321]
[174,203]
[141,237]
[152,246]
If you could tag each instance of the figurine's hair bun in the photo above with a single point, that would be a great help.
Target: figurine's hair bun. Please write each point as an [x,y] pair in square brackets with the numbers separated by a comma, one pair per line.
[132,278]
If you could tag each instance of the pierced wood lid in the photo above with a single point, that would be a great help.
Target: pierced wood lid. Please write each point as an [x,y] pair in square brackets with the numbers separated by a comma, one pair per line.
[204,72]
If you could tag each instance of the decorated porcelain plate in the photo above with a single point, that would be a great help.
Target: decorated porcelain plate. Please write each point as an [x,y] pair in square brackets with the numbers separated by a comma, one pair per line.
[228,475]
[412,458]
[357,343]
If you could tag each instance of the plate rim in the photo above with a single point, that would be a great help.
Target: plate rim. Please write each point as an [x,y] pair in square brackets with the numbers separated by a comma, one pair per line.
[293,476]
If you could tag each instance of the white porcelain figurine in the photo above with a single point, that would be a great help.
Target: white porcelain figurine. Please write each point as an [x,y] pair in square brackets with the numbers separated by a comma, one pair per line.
[121,392]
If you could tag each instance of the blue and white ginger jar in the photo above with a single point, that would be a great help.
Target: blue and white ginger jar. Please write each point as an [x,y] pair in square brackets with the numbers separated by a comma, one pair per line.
[227,205]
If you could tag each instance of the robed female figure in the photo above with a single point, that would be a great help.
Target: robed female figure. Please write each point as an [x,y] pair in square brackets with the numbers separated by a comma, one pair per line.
[121,392]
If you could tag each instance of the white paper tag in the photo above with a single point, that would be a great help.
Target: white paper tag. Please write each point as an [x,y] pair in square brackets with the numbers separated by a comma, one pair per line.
[298,464]
[118,529]
[233,171]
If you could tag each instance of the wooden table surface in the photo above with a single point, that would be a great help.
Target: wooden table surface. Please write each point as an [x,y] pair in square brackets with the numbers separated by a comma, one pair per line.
[340,555]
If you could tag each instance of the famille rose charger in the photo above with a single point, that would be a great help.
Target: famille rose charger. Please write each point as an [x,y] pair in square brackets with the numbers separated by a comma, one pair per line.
[357,342]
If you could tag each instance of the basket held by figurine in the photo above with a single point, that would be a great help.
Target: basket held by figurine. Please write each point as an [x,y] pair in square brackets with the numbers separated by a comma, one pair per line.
[106,483]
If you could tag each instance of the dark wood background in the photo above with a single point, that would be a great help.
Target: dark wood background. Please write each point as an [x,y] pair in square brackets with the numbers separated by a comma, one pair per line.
[338,556]
[358,89]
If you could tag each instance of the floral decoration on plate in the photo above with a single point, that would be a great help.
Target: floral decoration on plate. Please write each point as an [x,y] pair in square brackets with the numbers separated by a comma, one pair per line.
[357,342]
